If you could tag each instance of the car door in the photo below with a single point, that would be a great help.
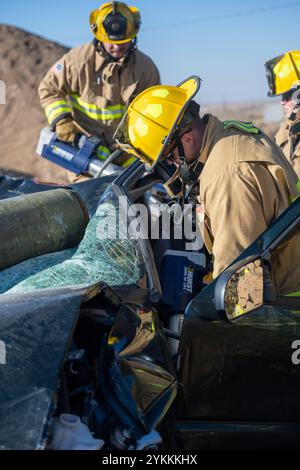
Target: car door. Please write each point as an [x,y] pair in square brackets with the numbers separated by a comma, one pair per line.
[241,379]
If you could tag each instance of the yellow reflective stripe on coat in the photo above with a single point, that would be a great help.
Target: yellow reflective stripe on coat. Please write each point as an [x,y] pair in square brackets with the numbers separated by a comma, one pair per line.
[96,113]
[102,152]
[128,162]
[292,199]
[238,311]
[56,108]
[293,294]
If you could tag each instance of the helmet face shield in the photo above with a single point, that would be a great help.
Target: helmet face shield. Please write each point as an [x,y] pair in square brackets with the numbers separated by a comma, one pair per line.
[270,75]
[153,118]
[115,22]
[283,73]
[115,26]
[292,94]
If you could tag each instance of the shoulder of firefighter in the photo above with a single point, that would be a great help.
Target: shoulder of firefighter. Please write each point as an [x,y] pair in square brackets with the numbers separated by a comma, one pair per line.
[282,135]
[288,139]
[245,184]
[294,144]
[94,91]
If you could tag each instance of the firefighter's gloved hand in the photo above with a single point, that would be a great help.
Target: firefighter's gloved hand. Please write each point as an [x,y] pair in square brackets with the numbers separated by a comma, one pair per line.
[66,130]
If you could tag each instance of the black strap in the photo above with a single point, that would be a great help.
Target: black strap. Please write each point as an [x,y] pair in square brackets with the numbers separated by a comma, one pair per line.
[295,137]
[184,167]
[195,169]
[100,49]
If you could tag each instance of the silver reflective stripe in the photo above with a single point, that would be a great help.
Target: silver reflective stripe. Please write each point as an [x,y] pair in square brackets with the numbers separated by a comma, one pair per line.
[94,112]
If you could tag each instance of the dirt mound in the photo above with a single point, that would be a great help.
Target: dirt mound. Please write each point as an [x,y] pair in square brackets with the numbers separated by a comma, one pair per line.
[25,59]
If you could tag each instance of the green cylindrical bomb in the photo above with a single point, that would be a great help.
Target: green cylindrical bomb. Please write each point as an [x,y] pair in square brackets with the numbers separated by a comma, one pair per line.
[39,223]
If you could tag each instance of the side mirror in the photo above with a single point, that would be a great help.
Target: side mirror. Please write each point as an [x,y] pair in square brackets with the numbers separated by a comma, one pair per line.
[240,289]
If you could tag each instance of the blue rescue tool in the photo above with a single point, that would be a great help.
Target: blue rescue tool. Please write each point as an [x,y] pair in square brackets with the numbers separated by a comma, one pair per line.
[81,159]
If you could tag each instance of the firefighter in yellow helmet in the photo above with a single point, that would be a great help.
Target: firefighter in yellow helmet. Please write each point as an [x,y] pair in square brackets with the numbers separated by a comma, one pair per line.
[283,75]
[90,87]
[244,181]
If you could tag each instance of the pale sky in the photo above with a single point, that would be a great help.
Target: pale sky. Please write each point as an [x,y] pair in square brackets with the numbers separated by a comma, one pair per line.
[224,42]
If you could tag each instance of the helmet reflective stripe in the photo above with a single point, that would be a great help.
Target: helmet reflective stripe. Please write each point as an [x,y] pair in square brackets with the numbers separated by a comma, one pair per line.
[94,112]
[102,152]
[153,118]
[283,73]
[115,22]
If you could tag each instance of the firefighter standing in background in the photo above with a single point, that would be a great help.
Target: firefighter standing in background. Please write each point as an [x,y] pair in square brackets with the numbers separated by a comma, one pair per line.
[283,75]
[91,86]
[245,182]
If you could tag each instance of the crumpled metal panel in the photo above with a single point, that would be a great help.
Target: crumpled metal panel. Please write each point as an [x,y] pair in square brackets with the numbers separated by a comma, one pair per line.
[39,314]
[36,330]
[23,421]
[145,362]
[241,371]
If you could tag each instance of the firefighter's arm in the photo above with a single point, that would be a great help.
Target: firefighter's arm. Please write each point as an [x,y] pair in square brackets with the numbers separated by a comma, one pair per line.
[55,89]
[296,151]
[296,164]
[236,217]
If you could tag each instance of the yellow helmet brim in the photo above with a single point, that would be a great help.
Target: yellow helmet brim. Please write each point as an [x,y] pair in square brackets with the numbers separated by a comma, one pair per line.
[160,109]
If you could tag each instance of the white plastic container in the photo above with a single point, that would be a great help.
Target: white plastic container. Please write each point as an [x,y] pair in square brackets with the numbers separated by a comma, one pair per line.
[69,433]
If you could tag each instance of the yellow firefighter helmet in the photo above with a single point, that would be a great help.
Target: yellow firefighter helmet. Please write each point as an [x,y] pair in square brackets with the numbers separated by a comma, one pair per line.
[115,22]
[283,73]
[152,119]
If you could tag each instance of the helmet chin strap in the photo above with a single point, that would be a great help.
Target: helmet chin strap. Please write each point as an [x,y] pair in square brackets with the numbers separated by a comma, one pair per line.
[99,47]
[294,113]
[296,98]
[182,157]
[185,177]
[184,169]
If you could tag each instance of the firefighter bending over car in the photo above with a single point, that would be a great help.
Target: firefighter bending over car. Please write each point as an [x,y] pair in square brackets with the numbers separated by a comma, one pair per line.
[90,87]
[283,75]
[245,180]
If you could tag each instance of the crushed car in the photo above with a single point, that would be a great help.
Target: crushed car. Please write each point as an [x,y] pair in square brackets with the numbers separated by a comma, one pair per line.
[120,343]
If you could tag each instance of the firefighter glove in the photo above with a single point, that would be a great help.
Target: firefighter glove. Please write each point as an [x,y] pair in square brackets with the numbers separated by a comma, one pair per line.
[66,130]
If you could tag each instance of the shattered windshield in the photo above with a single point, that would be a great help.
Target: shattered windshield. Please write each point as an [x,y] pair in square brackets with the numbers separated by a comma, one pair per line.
[106,253]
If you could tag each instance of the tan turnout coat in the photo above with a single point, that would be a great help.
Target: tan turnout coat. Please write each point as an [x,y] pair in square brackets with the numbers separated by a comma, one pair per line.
[284,140]
[95,91]
[246,183]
